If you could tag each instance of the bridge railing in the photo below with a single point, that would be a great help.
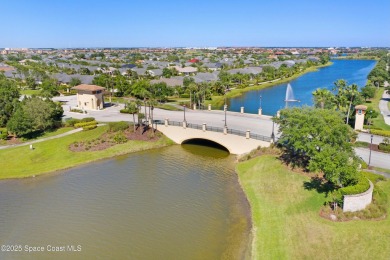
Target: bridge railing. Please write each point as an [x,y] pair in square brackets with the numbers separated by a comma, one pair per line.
[216,129]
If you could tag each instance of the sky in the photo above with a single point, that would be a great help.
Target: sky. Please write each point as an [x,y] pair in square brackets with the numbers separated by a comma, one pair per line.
[190,23]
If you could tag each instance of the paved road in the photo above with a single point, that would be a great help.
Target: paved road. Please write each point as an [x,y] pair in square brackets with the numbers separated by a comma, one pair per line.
[364,137]
[256,124]
[378,159]
[384,108]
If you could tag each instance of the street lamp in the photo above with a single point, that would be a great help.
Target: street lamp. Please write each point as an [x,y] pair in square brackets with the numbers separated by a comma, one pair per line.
[225,109]
[260,101]
[369,158]
[273,134]
[184,109]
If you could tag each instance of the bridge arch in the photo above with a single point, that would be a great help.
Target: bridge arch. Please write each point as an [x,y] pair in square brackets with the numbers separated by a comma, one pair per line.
[205,141]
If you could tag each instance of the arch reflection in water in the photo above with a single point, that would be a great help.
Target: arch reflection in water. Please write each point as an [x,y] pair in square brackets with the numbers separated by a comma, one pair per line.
[205,148]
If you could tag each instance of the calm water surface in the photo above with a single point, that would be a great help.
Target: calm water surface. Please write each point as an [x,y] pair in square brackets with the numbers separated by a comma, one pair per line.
[180,202]
[353,71]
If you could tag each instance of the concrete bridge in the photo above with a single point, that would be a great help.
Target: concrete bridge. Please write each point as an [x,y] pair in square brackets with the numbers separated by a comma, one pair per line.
[235,141]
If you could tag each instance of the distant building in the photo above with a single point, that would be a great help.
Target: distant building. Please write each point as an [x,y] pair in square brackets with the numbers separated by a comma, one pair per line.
[90,97]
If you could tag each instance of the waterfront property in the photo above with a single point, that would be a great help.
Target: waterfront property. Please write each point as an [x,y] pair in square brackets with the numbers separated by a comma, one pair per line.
[89,97]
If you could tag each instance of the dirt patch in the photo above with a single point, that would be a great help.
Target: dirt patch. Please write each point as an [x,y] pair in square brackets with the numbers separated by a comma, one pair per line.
[109,139]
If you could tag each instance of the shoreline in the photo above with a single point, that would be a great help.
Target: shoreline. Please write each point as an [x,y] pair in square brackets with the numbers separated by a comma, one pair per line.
[218,101]
[77,158]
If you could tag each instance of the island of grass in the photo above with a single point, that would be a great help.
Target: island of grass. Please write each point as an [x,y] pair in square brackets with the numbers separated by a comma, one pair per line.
[53,155]
[287,223]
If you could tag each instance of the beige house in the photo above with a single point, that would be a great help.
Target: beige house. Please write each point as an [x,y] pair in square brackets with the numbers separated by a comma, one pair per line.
[89,97]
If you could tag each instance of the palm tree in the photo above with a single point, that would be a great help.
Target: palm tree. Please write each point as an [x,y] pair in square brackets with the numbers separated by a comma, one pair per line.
[321,96]
[132,108]
[353,91]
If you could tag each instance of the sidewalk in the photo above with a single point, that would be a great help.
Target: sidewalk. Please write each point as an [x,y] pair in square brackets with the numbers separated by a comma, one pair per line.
[43,139]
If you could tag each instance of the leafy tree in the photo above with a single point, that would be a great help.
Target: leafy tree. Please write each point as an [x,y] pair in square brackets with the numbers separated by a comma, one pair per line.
[74,82]
[368,92]
[35,115]
[49,88]
[318,140]
[9,95]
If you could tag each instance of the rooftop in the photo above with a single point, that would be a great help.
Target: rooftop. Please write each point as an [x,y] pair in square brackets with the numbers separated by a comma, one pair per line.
[88,87]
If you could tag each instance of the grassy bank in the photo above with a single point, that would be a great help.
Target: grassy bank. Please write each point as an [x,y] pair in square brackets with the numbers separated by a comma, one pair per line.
[218,101]
[53,155]
[379,121]
[286,221]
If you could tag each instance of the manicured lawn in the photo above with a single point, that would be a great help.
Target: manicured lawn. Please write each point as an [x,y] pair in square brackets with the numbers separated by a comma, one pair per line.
[54,155]
[168,107]
[51,133]
[287,224]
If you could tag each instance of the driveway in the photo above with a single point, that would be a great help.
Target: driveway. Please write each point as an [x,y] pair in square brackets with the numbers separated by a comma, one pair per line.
[378,159]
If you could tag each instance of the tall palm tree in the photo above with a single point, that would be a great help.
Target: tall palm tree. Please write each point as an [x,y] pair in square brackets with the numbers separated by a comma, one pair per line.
[321,96]
[352,90]
[132,108]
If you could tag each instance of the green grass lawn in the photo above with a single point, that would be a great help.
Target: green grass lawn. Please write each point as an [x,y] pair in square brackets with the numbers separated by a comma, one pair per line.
[379,121]
[286,221]
[52,155]
[167,107]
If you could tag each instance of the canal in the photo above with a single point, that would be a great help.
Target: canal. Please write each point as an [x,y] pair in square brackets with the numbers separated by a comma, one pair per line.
[179,202]
[353,71]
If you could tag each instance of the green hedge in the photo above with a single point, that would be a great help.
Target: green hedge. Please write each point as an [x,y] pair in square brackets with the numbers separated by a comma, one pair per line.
[124,111]
[370,127]
[83,124]
[3,133]
[380,132]
[87,119]
[89,127]
[362,186]
[118,126]
[384,147]
[374,177]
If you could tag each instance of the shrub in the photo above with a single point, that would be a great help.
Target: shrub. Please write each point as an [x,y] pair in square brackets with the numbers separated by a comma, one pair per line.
[72,122]
[81,124]
[371,127]
[120,138]
[380,132]
[87,119]
[124,111]
[374,177]
[384,147]
[89,127]
[361,186]
[361,144]
[118,126]
[76,110]
[3,133]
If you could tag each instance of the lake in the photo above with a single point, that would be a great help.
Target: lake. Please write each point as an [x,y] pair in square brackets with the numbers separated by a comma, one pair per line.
[179,202]
[353,71]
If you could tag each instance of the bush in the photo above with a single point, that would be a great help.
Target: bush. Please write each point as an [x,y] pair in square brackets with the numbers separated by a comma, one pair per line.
[361,186]
[374,177]
[380,132]
[118,126]
[83,124]
[3,133]
[124,111]
[89,127]
[72,122]
[384,147]
[361,144]
[371,127]
[76,110]
[120,138]
[87,119]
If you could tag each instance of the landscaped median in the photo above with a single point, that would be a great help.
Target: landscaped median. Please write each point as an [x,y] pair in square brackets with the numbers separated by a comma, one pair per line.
[53,155]
[286,220]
